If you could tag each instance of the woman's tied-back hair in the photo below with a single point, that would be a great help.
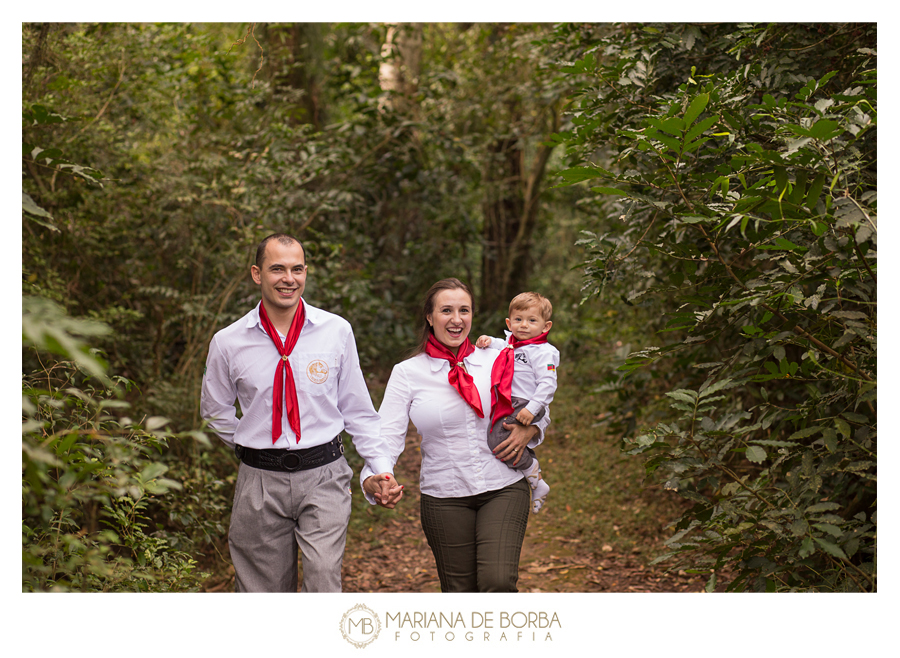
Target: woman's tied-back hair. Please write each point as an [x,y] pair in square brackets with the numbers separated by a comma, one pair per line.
[428,308]
[526,300]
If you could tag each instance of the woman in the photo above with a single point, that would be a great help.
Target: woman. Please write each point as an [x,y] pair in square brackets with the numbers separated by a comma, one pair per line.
[474,507]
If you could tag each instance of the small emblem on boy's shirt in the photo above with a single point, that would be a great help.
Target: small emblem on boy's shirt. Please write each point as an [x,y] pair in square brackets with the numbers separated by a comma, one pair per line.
[550,366]
[521,358]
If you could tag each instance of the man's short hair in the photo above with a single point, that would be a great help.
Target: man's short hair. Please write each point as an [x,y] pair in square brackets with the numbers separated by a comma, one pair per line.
[283,238]
[526,300]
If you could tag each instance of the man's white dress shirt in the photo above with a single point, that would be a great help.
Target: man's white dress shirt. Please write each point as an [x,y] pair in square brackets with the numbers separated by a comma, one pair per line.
[456,459]
[331,389]
[534,378]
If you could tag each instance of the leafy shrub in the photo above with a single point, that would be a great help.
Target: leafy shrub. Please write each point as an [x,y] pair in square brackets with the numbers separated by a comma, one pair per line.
[89,472]
[740,196]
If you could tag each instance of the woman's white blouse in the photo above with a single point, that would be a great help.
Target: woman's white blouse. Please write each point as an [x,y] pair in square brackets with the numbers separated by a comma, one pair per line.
[456,460]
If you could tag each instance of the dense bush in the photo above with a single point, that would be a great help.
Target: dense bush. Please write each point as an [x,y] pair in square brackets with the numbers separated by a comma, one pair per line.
[734,174]
[89,472]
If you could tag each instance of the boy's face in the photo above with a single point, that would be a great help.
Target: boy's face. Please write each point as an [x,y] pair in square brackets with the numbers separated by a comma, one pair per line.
[527,323]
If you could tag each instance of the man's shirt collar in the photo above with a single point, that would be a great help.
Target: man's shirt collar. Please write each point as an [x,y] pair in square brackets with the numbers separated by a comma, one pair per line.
[313,315]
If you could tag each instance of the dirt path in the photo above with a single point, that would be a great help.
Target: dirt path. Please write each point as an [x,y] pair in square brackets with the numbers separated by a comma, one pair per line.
[403,561]
[398,559]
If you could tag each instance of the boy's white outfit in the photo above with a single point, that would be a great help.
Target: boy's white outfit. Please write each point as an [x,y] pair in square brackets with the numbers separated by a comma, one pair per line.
[535,374]
[533,387]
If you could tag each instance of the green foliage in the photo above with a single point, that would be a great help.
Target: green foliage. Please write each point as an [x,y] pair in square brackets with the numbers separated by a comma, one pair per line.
[155,156]
[725,174]
[736,172]
[90,473]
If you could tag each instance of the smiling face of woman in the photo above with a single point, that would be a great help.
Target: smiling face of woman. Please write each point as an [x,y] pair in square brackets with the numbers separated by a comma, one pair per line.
[451,318]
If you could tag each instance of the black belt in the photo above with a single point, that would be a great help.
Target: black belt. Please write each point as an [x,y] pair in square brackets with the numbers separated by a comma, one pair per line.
[291,460]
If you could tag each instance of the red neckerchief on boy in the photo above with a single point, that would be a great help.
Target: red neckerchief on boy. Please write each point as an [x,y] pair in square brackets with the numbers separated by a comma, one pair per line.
[284,390]
[458,378]
[502,375]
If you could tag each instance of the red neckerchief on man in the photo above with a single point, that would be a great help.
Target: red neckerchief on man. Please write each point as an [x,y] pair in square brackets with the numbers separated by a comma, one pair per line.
[284,391]
[502,376]
[458,378]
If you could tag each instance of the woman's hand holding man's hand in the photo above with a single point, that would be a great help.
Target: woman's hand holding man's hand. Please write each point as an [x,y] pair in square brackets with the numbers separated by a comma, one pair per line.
[386,491]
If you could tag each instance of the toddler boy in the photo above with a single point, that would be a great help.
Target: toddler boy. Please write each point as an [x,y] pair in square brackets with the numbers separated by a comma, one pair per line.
[523,380]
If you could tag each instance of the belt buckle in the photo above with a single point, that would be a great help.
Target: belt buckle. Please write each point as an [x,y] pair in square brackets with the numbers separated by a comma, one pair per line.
[294,457]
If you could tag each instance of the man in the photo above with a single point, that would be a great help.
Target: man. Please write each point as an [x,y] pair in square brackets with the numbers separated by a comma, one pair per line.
[295,371]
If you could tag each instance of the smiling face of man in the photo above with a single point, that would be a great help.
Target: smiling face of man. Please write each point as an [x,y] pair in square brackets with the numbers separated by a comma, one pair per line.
[281,277]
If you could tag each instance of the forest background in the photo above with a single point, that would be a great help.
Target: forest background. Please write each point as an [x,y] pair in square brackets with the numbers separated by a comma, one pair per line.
[698,201]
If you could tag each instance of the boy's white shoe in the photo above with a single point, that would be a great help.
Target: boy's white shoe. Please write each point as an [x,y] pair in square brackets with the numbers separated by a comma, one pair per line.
[539,496]
[539,488]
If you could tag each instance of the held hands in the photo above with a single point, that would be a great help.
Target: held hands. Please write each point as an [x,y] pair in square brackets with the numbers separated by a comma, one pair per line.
[483,341]
[386,491]
[514,445]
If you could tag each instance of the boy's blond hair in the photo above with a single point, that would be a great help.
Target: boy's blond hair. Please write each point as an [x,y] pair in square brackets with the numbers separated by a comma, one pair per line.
[526,300]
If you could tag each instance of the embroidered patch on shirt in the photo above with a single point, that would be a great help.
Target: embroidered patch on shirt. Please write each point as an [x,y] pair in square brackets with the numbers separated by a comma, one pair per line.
[550,366]
[317,371]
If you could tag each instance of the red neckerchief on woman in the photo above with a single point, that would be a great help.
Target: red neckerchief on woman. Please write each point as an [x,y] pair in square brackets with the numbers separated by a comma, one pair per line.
[459,378]
[284,391]
[502,375]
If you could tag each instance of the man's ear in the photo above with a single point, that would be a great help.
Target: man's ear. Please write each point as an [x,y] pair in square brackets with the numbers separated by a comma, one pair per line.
[254,272]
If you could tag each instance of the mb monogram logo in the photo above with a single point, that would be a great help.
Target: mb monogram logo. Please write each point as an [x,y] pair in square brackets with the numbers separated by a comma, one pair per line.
[360,626]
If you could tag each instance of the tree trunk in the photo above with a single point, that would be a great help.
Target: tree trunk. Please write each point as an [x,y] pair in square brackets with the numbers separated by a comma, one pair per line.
[295,50]
[398,76]
[401,60]
[510,217]
[38,53]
